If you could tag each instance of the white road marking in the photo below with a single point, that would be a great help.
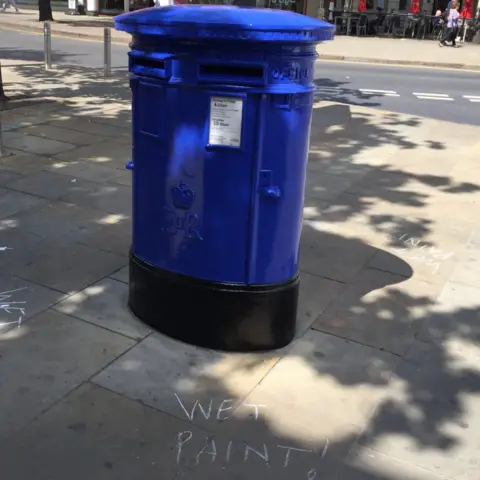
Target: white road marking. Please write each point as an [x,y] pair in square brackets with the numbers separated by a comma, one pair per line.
[376,91]
[472,98]
[328,89]
[431,94]
[422,97]
[391,93]
[385,93]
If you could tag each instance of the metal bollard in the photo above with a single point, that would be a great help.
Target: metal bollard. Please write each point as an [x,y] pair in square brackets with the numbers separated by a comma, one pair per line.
[107,52]
[47,45]
[2,92]
[2,151]
[3,99]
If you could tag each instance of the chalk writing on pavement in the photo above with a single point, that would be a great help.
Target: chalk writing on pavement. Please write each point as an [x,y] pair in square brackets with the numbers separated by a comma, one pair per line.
[413,249]
[238,450]
[14,310]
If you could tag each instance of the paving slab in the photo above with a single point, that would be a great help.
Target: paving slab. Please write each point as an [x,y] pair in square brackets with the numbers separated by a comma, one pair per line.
[62,134]
[467,271]
[258,455]
[105,304]
[456,315]
[68,268]
[107,197]
[121,275]
[368,464]
[296,442]
[473,242]
[47,105]
[332,256]
[431,415]
[45,359]
[107,153]
[114,237]
[44,184]
[7,177]
[17,119]
[116,117]
[325,186]
[22,300]
[322,162]
[412,256]
[61,222]
[379,309]
[316,293]
[90,171]
[37,145]
[418,162]
[13,202]
[87,126]
[356,222]
[175,378]
[394,186]
[327,375]
[24,163]
[96,434]
[17,244]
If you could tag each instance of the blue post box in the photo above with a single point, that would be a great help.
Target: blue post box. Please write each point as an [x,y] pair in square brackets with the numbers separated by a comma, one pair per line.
[221,103]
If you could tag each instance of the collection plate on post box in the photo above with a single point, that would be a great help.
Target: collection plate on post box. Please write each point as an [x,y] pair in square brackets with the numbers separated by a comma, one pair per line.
[226,114]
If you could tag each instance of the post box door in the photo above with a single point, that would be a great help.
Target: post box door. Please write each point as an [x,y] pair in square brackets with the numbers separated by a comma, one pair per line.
[283,137]
[192,188]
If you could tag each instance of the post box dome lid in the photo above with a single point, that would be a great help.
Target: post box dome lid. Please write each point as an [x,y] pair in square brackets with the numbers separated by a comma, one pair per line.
[225,23]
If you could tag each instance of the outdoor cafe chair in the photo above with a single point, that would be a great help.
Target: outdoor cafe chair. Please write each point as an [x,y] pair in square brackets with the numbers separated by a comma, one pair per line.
[340,25]
[362,25]
[397,27]
[437,29]
[421,27]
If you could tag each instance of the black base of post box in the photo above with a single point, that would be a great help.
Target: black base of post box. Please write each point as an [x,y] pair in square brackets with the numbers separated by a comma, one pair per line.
[219,316]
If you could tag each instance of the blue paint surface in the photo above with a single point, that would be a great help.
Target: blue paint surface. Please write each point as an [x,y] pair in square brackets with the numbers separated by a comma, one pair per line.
[228,22]
[233,212]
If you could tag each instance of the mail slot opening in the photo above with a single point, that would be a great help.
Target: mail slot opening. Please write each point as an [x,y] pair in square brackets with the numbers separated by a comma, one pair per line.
[231,71]
[149,63]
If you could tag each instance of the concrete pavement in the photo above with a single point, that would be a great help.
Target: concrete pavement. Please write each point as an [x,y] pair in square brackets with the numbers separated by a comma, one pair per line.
[401,51]
[382,381]
[352,48]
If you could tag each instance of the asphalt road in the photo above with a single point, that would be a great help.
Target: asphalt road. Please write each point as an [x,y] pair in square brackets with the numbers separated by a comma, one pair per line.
[29,47]
[450,95]
[441,94]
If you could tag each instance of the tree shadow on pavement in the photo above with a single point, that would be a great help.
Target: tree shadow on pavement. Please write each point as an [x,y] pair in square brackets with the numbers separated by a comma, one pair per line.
[28,55]
[383,372]
[335,91]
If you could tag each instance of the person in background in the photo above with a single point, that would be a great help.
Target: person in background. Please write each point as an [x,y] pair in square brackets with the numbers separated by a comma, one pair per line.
[10,3]
[452,25]
[437,18]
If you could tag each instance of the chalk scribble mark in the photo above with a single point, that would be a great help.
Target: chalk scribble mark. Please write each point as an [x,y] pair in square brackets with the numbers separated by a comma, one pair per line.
[11,307]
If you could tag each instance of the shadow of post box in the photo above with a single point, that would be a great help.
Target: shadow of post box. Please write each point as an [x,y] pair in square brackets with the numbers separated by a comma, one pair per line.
[222,101]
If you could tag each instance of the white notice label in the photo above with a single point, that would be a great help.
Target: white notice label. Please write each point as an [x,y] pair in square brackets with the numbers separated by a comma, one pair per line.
[226,121]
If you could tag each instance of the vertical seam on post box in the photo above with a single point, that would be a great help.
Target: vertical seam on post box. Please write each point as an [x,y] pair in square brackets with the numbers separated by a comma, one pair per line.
[262,111]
